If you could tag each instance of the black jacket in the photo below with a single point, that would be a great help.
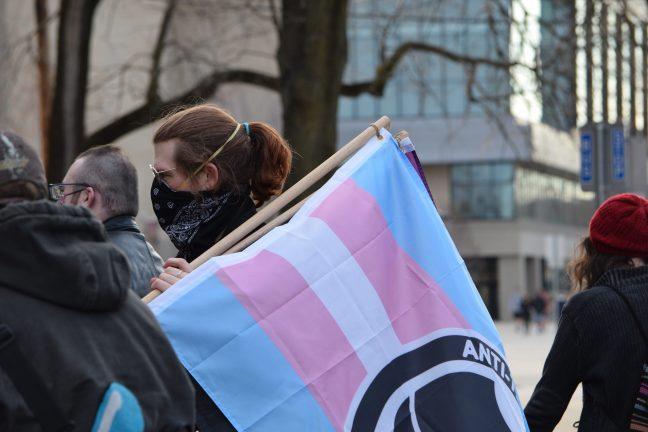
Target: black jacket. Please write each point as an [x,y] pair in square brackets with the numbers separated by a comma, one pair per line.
[143,260]
[64,291]
[599,345]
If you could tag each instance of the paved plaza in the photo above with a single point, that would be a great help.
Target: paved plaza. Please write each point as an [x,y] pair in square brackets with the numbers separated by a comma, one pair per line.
[526,355]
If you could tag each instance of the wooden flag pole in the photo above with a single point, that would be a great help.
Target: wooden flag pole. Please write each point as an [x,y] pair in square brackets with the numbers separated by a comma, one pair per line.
[231,240]
[256,235]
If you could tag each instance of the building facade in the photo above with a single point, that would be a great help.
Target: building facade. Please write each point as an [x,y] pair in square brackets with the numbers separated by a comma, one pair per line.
[506,185]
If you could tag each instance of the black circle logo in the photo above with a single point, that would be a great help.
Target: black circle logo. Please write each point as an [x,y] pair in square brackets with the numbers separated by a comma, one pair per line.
[455,382]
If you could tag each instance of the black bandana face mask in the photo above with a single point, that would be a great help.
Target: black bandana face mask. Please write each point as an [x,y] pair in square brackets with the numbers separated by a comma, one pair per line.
[184,217]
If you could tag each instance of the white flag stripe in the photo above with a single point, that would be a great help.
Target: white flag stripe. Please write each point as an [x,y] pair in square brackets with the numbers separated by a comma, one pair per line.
[339,282]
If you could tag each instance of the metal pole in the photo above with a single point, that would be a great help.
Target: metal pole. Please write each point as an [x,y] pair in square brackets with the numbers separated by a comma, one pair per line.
[603,31]
[619,67]
[589,81]
[633,78]
[600,163]
[644,76]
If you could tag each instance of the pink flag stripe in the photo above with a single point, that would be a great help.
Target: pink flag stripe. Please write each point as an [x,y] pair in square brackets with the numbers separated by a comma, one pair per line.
[296,320]
[415,304]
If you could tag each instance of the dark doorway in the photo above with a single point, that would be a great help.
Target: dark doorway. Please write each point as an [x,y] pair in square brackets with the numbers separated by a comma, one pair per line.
[484,273]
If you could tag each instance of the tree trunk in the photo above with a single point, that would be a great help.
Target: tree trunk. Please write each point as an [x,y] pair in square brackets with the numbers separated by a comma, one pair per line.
[44,85]
[312,56]
[67,127]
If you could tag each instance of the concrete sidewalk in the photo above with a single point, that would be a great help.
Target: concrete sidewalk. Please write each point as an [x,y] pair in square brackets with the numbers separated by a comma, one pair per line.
[526,355]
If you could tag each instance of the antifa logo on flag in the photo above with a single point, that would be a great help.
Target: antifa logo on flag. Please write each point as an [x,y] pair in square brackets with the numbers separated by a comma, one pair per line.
[453,382]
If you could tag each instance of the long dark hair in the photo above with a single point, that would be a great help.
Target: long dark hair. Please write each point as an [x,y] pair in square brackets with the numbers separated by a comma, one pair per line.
[588,265]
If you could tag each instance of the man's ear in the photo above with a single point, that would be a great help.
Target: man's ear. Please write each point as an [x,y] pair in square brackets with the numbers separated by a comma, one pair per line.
[209,177]
[88,197]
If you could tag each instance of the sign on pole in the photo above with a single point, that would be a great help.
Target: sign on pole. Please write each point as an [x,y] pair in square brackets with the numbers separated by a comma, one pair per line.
[587,150]
[603,151]
[617,154]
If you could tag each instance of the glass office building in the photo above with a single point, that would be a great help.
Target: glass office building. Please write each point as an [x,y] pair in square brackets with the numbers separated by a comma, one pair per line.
[504,191]
[507,187]
[425,85]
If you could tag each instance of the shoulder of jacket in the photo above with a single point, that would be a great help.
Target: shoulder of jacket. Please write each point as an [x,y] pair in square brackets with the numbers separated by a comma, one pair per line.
[590,300]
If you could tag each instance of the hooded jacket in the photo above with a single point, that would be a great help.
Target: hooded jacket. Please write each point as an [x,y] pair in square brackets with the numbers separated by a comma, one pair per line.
[64,292]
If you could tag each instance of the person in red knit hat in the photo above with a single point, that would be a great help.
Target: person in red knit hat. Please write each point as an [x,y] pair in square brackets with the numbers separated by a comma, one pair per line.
[602,338]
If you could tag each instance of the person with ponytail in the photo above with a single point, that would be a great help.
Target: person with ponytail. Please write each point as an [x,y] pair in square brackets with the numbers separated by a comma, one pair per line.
[211,173]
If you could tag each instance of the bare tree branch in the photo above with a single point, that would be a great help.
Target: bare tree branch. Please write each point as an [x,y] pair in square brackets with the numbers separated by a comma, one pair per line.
[44,82]
[154,108]
[274,14]
[385,71]
[388,29]
[153,87]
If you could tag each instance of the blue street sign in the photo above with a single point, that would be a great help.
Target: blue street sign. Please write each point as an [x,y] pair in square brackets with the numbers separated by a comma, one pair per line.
[618,154]
[587,159]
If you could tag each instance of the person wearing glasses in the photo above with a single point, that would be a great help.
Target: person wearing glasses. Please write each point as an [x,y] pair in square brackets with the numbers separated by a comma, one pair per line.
[77,346]
[103,180]
[211,173]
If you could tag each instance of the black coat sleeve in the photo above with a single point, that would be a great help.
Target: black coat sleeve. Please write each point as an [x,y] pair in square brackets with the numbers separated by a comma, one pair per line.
[560,377]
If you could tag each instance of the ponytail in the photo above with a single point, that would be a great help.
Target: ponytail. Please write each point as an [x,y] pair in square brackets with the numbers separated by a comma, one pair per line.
[272,161]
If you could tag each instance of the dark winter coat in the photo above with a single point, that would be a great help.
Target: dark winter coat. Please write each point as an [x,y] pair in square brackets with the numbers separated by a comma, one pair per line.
[64,292]
[599,345]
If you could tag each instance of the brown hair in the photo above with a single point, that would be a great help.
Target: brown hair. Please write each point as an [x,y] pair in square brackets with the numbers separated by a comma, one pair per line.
[589,265]
[260,159]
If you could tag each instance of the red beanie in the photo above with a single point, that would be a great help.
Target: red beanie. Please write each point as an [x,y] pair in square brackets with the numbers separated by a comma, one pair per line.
[620,226]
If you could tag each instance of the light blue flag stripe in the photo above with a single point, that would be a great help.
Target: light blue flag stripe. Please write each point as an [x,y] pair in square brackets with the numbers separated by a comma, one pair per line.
[237,364]
[387,175]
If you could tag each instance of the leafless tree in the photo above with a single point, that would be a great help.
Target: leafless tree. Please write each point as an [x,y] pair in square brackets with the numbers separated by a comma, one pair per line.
[310,58]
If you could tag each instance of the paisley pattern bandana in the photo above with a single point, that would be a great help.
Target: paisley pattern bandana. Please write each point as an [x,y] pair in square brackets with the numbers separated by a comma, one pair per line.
[183,215]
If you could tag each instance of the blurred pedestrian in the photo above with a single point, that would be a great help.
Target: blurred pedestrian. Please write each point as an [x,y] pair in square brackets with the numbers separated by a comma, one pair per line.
[539,305]
[561,300]
[210,174]
[525,311]
[602,338]
[103,180]
[77,346]
[514,305]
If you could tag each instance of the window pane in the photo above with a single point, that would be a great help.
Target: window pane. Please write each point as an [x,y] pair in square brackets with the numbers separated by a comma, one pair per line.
[483,191]
[345,109]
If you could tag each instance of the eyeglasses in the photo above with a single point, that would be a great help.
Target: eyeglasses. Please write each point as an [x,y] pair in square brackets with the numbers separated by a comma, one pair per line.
[157,173]
[57,190]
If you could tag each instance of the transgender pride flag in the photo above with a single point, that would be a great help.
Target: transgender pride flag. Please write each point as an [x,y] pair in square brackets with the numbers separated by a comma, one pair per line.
[357,315]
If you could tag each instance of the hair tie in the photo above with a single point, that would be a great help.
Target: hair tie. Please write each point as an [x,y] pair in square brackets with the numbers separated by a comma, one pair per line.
[246,125]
